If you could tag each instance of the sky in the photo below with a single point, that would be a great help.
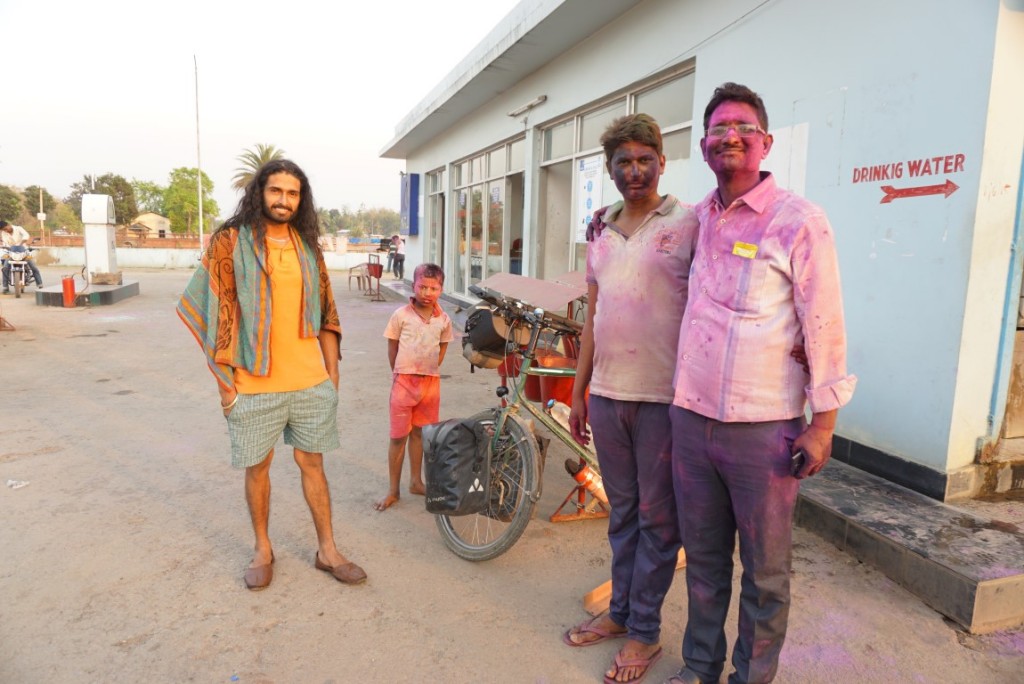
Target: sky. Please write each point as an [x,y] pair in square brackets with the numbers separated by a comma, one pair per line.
[109,86]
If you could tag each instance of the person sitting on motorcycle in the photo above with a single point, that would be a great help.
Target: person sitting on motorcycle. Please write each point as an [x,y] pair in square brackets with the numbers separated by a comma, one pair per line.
[15,239]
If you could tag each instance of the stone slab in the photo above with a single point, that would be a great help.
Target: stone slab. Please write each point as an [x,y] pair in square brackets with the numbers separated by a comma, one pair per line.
[967,567]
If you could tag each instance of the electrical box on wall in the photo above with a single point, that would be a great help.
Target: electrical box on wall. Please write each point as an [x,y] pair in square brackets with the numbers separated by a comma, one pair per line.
[410,204]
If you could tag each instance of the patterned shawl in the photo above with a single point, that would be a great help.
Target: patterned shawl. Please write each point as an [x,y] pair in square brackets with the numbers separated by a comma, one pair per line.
[227,304]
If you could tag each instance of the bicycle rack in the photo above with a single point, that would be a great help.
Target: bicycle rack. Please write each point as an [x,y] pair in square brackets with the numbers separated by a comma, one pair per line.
[585,510]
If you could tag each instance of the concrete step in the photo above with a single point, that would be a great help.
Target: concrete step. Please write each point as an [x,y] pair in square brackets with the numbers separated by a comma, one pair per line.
[87,295]
[967,567]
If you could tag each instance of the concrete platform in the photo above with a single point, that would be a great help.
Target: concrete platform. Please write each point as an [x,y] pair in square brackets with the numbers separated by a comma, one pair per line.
[967,567]
[92,295]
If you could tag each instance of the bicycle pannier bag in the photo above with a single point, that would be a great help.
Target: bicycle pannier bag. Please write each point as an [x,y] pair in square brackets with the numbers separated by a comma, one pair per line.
[456,468]
[482,345]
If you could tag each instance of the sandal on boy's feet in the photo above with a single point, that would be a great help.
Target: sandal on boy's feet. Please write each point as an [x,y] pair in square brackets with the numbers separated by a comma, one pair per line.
[646,663]
[590,627]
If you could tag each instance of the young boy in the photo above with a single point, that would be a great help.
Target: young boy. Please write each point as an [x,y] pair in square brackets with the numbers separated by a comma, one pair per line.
[418,335]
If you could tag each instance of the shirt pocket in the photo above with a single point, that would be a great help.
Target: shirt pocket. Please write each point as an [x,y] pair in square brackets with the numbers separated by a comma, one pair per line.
[749,292]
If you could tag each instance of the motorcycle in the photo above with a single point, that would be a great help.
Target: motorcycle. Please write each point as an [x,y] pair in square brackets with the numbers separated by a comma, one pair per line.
[21,273]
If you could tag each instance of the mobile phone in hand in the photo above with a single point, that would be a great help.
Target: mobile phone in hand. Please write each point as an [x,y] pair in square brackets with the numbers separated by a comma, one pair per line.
[796,462]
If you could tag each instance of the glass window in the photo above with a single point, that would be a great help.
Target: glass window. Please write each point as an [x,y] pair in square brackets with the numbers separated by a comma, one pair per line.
[669,103]
[496,162]
[495,226]
[676,145]
[476,233]
[478,169]
[517,155]
[460,238]
[515,220]
[462,174]
[678,149]
[558,140]
[592,124]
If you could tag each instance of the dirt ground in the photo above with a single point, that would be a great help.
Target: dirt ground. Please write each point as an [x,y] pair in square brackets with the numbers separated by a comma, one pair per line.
[121,559]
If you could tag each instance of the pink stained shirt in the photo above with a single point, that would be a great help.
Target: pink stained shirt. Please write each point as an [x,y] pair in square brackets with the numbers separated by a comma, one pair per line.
[419,340]
[765,277]
[641,284]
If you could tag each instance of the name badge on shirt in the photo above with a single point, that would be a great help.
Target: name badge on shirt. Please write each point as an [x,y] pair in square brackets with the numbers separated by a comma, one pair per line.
[745,250]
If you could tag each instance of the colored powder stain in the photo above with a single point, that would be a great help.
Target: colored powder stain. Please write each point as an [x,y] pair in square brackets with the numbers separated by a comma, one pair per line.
[834,654]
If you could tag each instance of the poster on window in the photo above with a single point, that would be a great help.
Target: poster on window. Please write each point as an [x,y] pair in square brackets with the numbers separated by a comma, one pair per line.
[588,192]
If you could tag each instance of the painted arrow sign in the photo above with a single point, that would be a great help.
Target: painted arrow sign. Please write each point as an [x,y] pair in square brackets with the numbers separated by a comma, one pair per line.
[891,193]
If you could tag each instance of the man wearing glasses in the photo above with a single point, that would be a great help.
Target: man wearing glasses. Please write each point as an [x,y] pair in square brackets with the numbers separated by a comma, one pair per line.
[764,278]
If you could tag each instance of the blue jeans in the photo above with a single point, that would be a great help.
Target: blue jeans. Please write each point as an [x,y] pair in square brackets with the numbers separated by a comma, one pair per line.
[735,479]
[634,447]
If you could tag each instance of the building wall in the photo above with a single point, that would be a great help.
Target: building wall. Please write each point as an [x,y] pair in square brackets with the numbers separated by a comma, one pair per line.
[897,89]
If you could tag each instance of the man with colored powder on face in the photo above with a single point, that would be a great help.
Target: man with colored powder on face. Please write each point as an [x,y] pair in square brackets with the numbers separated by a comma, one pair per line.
[418,335]
[262,309]
[637,271]
[765,277]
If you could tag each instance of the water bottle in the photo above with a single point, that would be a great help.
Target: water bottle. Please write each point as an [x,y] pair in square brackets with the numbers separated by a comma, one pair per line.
[560,412]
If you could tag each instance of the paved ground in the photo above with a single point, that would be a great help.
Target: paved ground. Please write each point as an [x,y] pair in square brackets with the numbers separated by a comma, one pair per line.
[122,557]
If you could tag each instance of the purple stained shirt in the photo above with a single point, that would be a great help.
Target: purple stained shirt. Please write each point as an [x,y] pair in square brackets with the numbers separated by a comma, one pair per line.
[641,284]
[765,277]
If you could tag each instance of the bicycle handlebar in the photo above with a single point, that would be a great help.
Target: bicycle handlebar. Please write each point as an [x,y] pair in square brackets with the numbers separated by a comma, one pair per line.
[516,309]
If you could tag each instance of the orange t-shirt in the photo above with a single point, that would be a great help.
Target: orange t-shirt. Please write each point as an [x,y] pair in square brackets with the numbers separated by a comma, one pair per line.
[295,362]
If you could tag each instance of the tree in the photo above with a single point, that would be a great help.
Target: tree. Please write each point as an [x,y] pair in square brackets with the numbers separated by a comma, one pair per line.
[64,217]
[10,204]
[31,195]
[111,184]
[252,160]
[181,201]
[149,196]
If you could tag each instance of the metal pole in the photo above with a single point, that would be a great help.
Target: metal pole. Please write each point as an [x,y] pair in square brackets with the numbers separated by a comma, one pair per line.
[199,160]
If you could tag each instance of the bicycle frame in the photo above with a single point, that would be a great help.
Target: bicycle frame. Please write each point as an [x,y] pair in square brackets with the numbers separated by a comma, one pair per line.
[539,321]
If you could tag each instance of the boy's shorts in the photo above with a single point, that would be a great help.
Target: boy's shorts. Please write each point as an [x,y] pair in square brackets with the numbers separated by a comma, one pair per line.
[415,402]
[308,418]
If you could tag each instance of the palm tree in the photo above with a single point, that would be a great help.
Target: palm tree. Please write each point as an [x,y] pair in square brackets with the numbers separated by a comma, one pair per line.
[252,160]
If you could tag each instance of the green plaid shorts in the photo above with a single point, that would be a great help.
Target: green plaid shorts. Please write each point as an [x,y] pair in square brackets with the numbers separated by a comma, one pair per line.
[308,419]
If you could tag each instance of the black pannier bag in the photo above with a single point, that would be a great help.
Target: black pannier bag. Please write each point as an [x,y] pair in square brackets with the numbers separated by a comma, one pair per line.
[483,346]
[457,470]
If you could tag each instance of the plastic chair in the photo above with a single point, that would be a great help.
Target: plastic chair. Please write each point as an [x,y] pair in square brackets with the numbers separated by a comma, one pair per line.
[362,276]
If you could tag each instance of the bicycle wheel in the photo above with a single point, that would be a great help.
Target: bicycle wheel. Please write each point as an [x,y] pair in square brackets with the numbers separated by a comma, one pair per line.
[515,488]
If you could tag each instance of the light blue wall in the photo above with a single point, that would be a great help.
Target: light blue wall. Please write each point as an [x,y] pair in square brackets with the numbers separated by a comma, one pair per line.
[880,82]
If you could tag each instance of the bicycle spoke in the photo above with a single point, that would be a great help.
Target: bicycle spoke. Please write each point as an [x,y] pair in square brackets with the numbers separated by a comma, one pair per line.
[513,475]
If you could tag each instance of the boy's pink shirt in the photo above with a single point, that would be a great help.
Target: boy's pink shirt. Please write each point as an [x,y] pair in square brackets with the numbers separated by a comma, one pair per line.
[419,341]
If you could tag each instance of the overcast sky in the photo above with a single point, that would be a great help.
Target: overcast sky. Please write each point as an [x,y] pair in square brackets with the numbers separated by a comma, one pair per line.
[107,86]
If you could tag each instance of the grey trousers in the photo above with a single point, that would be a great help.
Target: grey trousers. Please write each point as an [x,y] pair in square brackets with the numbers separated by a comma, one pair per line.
[733,479]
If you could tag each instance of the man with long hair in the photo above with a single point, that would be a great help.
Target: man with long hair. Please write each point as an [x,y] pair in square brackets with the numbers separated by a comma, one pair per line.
[262,309]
